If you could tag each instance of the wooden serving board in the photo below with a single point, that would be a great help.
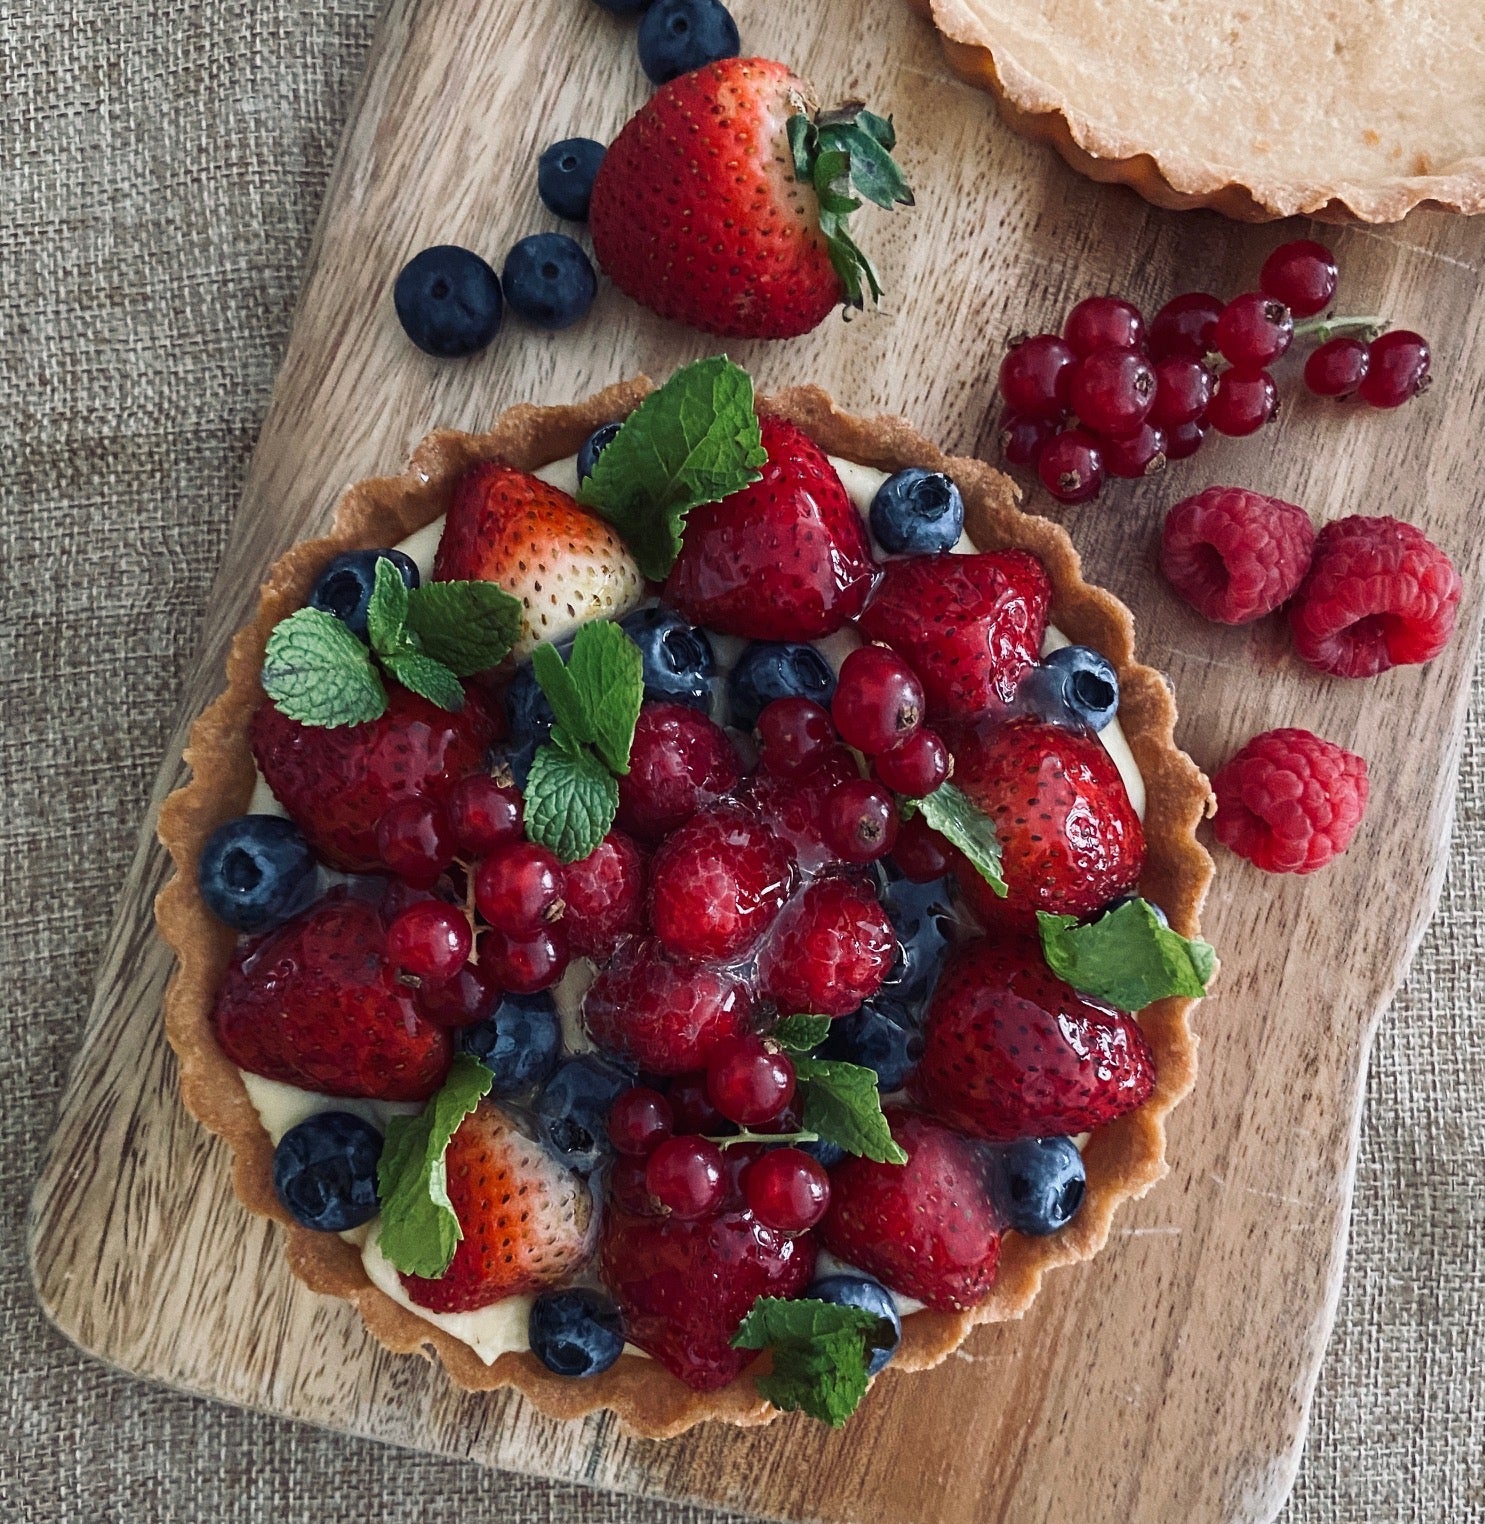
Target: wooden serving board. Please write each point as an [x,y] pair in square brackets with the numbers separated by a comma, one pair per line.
[1170,1378]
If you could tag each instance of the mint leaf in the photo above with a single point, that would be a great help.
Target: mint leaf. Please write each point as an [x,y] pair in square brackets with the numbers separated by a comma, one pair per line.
[387,612]
[561,691]
[695,440]
[571,801]
[820,1354]
[318,673]
[1126,957]
[419,1231]
[950,812]
[607,670]
[468,626]
[426,677]
[843,1105]
[798,1034]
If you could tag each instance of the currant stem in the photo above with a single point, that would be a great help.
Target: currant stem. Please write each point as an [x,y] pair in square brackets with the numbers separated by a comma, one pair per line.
[1324,329]
[746,1135]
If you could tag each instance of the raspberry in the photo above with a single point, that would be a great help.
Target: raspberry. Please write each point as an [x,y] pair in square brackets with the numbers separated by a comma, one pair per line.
[794,808]
[831,949]
[1379,594]
[1235,555]
[1290,802]
[680,762]
[605,895]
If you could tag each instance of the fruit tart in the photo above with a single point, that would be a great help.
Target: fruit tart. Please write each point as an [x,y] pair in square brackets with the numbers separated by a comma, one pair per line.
[682,876]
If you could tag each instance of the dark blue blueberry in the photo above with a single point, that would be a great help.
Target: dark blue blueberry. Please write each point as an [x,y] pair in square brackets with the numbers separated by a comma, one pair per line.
[324,1171]
[577,1332]
[594,446]
[548,280]
[1040,1183]
[564,176]
[871,1296]
[679,662]
[882,1035]
[448,301]
[519,1042]
[526,707]
[775,669]
[518,757]
[345,586]
[572,1111]
[922,916]
[677,36]
[1124,899]
[917,512]
[829,1154]
[256,871]
[1073,686]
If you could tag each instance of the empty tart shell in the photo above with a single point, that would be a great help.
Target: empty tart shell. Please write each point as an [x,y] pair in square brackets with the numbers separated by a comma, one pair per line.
[1123,1160]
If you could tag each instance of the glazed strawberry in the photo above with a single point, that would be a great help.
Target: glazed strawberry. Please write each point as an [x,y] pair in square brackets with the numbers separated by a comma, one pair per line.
[414,749]
[316,1004]
[927,1228]
[1069,837]
[685,1285]
[794,808]
[564,564]
[830,949]
[605,895]
[785,559]
[971,627]
[663,1014]
[679,763]
[697,211]
[527,1222]
[1010,1051]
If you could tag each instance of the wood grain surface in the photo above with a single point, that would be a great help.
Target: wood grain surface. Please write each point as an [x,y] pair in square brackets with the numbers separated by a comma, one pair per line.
[1170,1378]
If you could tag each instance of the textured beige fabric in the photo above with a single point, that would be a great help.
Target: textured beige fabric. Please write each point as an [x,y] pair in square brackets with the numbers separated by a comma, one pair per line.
[161,164]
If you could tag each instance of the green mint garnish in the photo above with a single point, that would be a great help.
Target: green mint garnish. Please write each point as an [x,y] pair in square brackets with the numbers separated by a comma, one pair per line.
[468,626]
[318,673]
[950,812]
[571,800]
[842,1105]
[419,1231]
[695,440]
[428,678]
[798,1034]
[820,1354]
[1126,957]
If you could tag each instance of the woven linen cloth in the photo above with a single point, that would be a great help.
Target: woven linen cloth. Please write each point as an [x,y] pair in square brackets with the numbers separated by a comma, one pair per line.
[161,166]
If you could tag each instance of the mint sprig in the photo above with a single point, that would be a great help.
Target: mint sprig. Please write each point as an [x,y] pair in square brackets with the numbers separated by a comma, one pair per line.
[955,817]
[318,673]
[570,803]
[798,1034]
[1126,957]
[821,1351]
[842,1105]
[695,440]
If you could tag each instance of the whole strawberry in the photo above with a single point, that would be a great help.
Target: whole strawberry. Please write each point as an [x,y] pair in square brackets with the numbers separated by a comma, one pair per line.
[1010,1051]
[337,783]
[784,559]
[316,1005]
[723,202]
[928,1228]
[527,1222]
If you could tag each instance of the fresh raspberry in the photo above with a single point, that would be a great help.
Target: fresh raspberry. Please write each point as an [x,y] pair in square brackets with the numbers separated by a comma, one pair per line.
[794,808]
[831,949]
[680,762]
[1379,594]
[1235,555]
[605,895]
[1289,802]
[718,883]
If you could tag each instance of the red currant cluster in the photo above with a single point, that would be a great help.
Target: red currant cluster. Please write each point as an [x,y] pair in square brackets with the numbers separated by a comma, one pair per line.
[1110,396]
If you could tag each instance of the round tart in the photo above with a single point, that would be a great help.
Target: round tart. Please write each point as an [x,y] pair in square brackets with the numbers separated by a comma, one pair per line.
[1281,109]
[1122,1159]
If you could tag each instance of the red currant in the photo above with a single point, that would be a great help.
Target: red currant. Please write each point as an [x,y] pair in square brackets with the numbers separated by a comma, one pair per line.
[461,1001]
[1254,330]
[1302,275]
[1336,368]
[1244,401]
[1141,454]
[523,967]
[519,889]
[860,820]
[414,840]
[429,940]
[1396,369]
[627,1188]
[878,700]
[685,1175]
[1185,327]
[1022,437]
[787,1189]
[917,767]
[639,1121]
[483,814]
[692,1106]
[1071,466]
[794,736]
[921,853]
[1103,322]
[1185,439]
[747,1081]
[1033,376]
[1112,391]
[1183,387]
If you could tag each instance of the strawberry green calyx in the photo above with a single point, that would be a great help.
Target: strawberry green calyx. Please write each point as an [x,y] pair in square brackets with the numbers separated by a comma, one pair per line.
[846,154]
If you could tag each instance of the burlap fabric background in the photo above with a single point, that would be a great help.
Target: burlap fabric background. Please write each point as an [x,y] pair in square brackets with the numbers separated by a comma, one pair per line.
[161,165]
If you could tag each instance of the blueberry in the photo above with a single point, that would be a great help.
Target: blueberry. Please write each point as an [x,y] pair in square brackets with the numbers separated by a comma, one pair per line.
[527,709]
[344,587]
[564,176]
[324,1171]
[917,512]
[448,301]
[775,669]
[517,758]
[594,446]
[677,36]
[577,1332]
[922,916]
[829,1154]
[880,1036]
[679,662]
[256,871]
[1040,1184]
[549,281]
[1073,686]
[871,1296]
[519,1041]
[572,1110]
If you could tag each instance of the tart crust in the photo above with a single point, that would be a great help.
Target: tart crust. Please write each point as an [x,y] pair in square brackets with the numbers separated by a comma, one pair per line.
[1054,85]
[1123,1159]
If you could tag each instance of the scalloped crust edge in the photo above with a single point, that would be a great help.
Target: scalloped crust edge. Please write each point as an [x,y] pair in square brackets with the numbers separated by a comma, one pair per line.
[1124,1160]
[1173,179]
